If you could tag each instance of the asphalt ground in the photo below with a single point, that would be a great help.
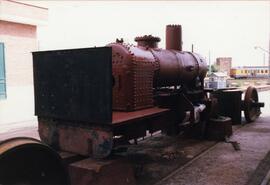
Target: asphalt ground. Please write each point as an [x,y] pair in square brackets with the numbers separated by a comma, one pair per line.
[223,165]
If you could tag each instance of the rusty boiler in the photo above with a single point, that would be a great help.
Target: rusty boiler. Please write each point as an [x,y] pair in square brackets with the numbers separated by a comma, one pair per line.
[140,70]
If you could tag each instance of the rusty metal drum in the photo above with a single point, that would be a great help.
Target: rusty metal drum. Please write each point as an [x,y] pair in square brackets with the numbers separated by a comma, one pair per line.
[28,161]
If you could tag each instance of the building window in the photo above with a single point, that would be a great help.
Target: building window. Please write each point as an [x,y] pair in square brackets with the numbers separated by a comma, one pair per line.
[3,94]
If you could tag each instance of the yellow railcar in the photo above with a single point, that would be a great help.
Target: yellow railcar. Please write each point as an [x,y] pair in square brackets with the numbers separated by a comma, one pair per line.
[250,72]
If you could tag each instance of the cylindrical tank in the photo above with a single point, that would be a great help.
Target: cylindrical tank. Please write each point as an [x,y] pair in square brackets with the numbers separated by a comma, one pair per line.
[176,68]
[172,67]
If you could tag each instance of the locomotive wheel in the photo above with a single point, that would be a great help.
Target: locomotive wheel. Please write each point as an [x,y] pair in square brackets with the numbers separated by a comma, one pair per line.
[251,105]
[27,161]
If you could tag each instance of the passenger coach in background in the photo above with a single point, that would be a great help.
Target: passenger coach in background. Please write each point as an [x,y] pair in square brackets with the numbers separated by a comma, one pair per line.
[249,72]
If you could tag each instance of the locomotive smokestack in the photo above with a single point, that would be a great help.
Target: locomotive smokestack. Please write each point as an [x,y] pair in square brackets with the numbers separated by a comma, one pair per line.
[174,37]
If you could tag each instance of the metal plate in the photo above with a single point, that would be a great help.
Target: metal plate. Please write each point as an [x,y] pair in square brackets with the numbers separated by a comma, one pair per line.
[74,84]
[229,104]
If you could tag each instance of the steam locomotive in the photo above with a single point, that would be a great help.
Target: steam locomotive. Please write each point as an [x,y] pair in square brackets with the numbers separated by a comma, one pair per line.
[90,100]
[123,88]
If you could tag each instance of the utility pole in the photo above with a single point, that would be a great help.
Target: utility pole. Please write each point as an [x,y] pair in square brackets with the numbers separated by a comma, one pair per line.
[209,61]
[268,52]
[263,59]
[269,61]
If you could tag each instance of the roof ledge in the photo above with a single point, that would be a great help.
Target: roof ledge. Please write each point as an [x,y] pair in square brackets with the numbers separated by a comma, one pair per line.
[17,12]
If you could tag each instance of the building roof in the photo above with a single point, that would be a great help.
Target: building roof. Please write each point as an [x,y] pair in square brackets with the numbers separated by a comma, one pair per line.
[224,58]
[27,14]
[218,74]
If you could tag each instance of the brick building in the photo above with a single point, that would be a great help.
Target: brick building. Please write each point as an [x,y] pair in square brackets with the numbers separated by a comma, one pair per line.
[18,38]
[224,64]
